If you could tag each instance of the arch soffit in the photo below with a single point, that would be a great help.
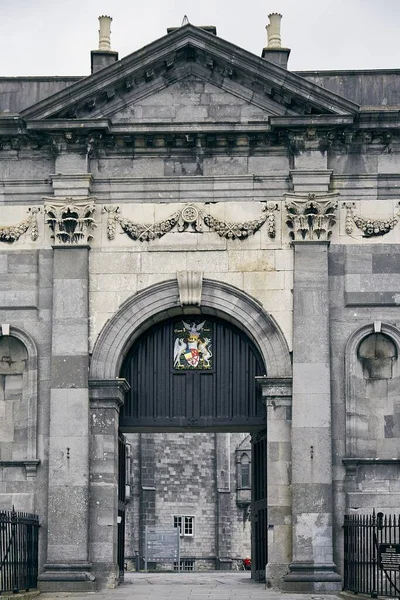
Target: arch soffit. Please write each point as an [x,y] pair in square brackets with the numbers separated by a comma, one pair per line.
[161,301]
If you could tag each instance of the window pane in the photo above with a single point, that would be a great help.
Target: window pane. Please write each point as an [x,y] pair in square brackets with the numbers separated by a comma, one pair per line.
[245,475]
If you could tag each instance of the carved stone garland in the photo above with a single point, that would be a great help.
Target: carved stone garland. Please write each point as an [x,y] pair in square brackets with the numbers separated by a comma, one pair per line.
[191,218]
[310,216]
[12,233]
[370,227]
[70,219]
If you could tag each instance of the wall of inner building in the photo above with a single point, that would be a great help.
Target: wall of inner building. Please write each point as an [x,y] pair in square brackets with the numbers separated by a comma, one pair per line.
[183,467]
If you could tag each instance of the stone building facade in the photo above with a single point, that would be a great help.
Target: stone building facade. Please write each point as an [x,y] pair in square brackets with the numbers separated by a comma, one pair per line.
[192,179]
[185,480]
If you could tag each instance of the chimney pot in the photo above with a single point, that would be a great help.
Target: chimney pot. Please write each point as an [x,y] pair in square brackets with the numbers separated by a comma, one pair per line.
[274,31]
[105,32]
[104,56]
[274,52]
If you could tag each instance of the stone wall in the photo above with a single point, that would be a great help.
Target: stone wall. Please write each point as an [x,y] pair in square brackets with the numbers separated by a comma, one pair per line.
[183,470]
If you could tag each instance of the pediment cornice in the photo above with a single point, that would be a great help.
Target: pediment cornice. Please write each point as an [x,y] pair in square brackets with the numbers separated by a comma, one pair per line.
[168,59]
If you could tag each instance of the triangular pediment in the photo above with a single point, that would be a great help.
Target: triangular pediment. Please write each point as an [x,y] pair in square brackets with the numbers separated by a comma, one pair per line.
[190,99]
[189,54]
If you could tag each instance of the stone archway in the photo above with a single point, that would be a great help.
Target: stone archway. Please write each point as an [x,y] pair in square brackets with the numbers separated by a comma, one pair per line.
[162,300]
[134,317]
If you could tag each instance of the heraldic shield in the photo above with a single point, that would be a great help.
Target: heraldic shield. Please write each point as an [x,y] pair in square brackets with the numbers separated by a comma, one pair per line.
[193,344]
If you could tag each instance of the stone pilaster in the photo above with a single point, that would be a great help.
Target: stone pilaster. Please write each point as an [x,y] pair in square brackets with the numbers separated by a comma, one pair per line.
[106,398]
[223,488]
[277,395]
[68,566]
[312,567]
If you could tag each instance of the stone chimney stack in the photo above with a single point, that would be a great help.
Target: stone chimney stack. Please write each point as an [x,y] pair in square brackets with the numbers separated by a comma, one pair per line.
[274,52]
[104,56]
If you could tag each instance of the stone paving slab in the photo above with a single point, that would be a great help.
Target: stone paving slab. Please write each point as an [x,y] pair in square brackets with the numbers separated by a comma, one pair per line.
[188,586]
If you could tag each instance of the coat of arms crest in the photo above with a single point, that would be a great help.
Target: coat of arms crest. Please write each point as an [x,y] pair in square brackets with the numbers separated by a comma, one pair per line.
[193,345]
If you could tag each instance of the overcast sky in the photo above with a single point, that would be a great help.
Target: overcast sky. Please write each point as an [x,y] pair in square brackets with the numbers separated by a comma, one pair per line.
[54,37]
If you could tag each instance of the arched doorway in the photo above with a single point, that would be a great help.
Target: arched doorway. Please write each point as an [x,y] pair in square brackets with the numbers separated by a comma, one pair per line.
[198,373]
[247,343]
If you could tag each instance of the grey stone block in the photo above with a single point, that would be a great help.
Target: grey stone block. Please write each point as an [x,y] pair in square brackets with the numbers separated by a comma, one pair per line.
[336,262]
[71,263]
[358,263]
[3,262]
[310,497]
[70,299]
[70,337]
[183,166]
[69,371]
[372,298]
[17,300]
[388,262]
[67,534]
[10,282]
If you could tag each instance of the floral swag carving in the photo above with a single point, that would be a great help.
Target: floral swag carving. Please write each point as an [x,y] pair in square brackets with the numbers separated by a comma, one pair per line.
[70,219]
[12,233]
[370,227]
[310,216]
[189,218]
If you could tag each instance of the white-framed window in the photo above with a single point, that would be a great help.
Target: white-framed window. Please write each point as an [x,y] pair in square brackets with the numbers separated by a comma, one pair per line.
[185,524]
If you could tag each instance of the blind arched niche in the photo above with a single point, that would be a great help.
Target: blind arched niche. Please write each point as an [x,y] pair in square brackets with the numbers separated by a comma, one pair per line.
[18,402]
[372,393]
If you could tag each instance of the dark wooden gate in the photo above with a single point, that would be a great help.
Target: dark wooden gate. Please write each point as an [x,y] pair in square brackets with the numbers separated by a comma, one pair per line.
[121,504]
[259,505]
[166,396]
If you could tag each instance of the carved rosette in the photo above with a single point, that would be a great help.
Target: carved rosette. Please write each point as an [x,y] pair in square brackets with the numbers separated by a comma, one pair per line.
[12,233]
[310,217]
[369,227]
[70,219]
[189,218]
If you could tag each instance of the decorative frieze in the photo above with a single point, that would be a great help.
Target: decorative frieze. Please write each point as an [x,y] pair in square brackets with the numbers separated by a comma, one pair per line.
[12,233]
[189,218]
[70,219]
[369,227]
[310,216]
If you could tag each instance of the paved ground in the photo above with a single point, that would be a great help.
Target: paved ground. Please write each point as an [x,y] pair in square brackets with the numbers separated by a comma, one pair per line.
[188,586]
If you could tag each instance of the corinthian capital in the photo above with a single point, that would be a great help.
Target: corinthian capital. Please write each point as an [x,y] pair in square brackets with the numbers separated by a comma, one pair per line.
[70,219]
[310,217]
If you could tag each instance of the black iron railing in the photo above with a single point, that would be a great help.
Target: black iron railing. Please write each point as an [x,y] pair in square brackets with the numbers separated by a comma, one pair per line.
[365,544]
[19,534]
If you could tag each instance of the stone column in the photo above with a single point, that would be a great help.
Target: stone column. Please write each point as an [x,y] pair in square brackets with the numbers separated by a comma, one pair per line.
[106,398]
[312,567]
[277,395]
[223,498]
[67,567]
